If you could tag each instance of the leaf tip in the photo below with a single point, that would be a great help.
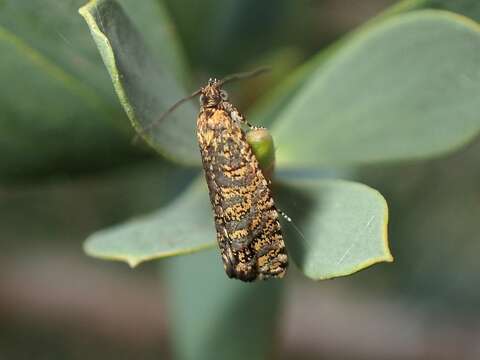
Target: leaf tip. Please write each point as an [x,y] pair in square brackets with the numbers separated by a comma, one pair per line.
[133,263]
[87,247]
[83,10]
[388,257]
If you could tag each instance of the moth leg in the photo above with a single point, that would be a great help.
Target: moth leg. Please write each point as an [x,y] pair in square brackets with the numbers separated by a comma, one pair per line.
[229,260]
[237,116]
[235,269]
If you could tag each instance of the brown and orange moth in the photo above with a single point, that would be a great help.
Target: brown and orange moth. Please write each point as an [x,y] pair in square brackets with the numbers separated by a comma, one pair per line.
[248,229]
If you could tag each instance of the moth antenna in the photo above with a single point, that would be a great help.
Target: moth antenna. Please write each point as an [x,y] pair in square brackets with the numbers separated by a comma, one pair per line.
[166,113]
[244,75]
[297,229]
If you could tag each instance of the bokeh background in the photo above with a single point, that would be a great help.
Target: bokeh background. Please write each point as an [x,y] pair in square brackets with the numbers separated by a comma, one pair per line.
[56,303]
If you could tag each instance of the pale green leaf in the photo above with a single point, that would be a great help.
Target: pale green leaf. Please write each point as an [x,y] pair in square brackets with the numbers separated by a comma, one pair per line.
[469,8]
[386,96]
[214,317]
[344,227]
[57,110]
[337,228]
[184,226]
[145,85]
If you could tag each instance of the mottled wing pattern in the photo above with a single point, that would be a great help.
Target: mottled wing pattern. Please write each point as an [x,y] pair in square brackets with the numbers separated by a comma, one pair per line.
[248,230]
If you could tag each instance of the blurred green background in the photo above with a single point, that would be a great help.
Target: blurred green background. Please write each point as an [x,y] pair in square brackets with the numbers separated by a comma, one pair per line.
[62,181]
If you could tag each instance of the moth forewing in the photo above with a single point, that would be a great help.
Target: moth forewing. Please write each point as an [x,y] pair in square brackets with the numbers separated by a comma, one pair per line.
[246,220]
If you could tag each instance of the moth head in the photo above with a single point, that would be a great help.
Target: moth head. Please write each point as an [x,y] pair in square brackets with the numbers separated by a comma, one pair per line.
[212,94]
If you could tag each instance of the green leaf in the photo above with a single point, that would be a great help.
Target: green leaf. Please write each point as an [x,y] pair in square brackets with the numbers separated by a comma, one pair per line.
[436,206]
[214,317]
[184,226]
[61,213]
[344,226]
[57,110]
[145,86]
[385,96]
[266,111]
[338,227]
[159,33]
[469,8]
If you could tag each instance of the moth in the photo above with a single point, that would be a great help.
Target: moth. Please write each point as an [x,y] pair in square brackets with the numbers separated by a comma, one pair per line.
[246,220]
